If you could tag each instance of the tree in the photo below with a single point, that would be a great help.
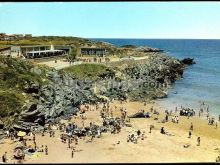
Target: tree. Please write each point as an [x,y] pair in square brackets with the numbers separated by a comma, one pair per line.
[71,57]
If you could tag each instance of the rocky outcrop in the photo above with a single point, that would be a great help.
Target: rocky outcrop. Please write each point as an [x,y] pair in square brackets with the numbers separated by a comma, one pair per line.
[60,98]
[140,115]
[144,81]
[188,61]
[61,94]
[148,49]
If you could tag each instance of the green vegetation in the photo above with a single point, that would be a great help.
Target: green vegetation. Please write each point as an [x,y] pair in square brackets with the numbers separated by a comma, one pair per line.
[15,74]
[45,40]
[73,54]
[11,102]
[82,71]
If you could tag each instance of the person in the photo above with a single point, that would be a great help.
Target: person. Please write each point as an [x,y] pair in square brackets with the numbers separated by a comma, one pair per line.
[138,133]
[191,127]
[198,140]
[216,125]
[190,133]
[150,128]
[207,116]
[25,142]
[76,141]
[68,142]
[128,138]
[217,159]
[42,148]
[209,121]
[162,130]
[93,136]
[151,109]
[219,118]
[72,155]
[4,158]
[142,136]
[171,112]
[98,133]
[166,117]
[35,145]
[201,110]
[50,133]
[199,113]
[46,150]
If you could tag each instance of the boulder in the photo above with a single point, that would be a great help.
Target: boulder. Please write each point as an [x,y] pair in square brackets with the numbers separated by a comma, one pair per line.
[188,61]
[140,115]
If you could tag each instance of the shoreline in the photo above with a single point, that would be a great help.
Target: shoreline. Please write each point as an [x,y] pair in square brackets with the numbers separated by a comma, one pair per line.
[160,148]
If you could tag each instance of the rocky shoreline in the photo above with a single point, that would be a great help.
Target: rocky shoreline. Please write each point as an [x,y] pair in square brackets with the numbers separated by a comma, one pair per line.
[62,96]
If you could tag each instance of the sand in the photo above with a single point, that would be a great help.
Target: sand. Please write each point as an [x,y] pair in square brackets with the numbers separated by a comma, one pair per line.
[156,147]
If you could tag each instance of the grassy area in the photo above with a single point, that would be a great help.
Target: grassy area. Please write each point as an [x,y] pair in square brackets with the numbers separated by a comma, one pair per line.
[92,71]
[15,74]
[11,102]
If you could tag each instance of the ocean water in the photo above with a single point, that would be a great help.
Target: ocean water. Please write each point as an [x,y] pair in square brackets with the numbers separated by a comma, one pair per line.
[201,82]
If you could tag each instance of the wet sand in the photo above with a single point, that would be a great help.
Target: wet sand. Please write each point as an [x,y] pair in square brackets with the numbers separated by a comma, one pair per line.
[156,147]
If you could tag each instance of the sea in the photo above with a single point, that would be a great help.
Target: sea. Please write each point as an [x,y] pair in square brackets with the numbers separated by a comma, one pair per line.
[201,81]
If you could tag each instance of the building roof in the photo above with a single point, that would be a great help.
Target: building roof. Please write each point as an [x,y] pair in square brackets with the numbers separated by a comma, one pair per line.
[45,51]
[92,48]
[22,46]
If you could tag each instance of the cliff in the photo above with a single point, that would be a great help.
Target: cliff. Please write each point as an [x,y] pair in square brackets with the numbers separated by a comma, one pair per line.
[33,95]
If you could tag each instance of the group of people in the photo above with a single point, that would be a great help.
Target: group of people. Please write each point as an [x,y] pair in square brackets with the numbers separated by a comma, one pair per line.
[187,112]
[135,136]
[175,119]
[68,131]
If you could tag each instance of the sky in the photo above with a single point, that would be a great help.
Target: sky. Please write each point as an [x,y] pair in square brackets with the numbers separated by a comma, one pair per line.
[193,20]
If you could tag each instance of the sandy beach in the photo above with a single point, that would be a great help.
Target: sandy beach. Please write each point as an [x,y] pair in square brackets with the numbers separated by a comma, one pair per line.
[155,147]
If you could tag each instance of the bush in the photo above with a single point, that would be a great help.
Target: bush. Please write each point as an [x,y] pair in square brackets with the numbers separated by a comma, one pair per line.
[11,102]
[87,70]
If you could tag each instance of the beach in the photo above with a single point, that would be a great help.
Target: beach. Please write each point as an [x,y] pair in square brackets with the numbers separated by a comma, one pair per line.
[155,147]
[111,86]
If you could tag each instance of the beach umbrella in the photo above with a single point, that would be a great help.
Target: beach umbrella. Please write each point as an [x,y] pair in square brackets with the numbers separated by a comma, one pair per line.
[21,133]
[54,127]
[36,155]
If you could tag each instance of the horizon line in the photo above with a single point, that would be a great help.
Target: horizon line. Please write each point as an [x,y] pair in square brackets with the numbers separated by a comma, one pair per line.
[128,37]
[157,38]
